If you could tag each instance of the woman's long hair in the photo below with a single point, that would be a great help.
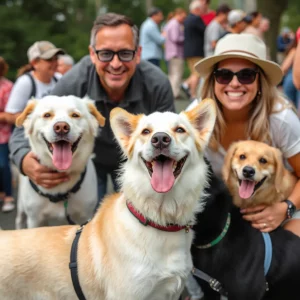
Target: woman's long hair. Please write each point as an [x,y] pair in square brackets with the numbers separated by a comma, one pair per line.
[24,69]
[262,107]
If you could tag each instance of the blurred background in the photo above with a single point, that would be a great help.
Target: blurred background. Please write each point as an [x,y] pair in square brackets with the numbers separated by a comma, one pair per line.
[67,23]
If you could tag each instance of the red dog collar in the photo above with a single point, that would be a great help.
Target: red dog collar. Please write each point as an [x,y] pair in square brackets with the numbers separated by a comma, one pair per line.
[146,222]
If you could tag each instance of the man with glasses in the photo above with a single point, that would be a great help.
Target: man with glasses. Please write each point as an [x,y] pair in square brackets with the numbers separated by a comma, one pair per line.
[114,76]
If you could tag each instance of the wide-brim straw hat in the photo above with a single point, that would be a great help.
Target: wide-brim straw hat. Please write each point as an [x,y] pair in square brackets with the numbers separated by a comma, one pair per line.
[243,45]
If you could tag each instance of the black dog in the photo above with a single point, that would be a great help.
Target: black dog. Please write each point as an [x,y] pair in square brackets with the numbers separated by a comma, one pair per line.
[237,261]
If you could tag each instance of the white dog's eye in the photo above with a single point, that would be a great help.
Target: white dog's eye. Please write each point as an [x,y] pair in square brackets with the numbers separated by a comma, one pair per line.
[145,131]
[179,130]
[242,157]
[262,160]
[47,115]
[75,115]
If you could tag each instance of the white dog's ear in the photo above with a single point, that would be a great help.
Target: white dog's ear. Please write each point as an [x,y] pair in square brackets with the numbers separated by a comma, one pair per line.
[280,171]
[227,168]
[203,118]
[26,112]
[123,125]
[93,110]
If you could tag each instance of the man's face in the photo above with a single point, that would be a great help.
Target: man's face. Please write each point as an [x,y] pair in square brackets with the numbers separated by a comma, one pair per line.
[62,68]
[115,75]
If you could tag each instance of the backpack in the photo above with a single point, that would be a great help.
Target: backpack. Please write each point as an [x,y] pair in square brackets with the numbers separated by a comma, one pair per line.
[33,90]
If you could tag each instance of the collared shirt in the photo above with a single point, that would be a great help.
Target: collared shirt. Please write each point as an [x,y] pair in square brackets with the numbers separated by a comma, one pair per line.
[174,39]
[149,90]
[5,89]
[151,40]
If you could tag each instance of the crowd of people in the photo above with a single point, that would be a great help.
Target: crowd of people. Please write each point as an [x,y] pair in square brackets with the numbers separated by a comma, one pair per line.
[228,61]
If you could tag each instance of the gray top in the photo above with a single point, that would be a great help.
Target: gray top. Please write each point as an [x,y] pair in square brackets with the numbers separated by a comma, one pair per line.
[149,90]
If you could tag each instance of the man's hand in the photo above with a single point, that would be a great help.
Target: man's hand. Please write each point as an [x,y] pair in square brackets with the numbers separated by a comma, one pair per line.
[41,175]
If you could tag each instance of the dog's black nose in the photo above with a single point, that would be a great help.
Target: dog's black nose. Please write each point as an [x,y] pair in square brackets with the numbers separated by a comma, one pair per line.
[161,140]
[248,172]
[61,128]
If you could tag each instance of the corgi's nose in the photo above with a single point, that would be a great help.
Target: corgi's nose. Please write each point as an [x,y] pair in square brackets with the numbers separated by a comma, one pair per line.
[248,172]
[61,128]
[160,140]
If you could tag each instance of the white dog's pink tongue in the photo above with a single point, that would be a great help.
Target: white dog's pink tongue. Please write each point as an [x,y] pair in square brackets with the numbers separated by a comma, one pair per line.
[62,155]
[246,189]
[162,177]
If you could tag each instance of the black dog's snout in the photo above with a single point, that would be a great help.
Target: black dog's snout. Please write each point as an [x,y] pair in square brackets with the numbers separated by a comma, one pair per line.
[61,128]
[248,172]
[160,140]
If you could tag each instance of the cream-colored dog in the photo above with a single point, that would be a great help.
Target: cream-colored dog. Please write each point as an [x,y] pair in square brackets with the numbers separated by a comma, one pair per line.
[61,132]
[255,174]
[119,258]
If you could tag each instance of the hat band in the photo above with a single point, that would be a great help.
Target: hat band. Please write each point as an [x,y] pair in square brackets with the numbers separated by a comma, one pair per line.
[241,52]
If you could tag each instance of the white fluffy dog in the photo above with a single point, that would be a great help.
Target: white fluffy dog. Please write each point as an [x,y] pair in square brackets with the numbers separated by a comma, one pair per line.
[137,246]
[61,132]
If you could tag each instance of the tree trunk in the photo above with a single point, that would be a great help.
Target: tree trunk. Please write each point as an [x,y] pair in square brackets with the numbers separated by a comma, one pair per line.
[273,11]
[149,4]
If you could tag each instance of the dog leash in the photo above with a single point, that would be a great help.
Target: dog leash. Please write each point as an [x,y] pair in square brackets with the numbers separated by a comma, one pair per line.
[73,264]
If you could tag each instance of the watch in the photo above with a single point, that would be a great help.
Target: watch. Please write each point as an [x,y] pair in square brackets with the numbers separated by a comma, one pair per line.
[291,209]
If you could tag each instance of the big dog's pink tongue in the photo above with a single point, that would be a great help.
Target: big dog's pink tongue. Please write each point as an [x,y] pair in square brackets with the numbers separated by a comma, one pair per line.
[246,189]
[162,177]
[62,155]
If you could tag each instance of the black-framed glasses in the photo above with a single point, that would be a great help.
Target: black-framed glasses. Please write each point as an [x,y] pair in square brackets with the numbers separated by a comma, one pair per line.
[108,55]
[244,76]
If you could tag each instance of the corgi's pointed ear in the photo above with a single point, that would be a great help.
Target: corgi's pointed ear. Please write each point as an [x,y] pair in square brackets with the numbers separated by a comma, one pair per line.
[123,125]
[227,168]
[26,112]
[93,110]
[203,118]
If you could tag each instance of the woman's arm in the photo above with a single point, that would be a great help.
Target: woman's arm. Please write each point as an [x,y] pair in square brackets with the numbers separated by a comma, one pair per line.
[296,68]
[288,61]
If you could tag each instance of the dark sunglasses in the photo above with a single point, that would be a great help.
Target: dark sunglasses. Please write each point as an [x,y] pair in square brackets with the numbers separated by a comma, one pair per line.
[244,76]
[108,55]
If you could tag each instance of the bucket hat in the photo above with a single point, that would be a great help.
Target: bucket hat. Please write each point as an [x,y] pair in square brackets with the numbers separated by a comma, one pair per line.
[243,45]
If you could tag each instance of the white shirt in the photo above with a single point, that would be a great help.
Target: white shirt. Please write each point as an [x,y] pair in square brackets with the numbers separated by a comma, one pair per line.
[22,90]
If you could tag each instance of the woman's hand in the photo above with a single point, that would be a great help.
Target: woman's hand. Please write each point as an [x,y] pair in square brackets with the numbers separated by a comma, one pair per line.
[266,218]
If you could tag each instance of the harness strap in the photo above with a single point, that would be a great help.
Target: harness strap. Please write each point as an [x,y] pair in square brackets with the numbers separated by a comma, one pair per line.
[268,252]
[73,265]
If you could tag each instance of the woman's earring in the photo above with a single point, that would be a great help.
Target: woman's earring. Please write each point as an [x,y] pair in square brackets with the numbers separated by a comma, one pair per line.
[258,93]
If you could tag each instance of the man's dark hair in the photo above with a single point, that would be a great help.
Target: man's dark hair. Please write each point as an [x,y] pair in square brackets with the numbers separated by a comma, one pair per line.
[154,11]
[223,8]
[3,67]
[113,20]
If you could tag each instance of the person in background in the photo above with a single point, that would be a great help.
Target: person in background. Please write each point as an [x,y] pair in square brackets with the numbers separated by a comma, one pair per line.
[35,79]
[174,49]
[296,63]
[194,28]
[283,43]
[5,132]
[254,19]
[236,21]
[215,29]
[208,15]
[64,63]
[264,26]
[151,38]
[288,86]
[113,75]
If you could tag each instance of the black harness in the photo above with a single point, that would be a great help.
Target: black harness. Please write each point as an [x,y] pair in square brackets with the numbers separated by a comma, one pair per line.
[61,197]
[73,265]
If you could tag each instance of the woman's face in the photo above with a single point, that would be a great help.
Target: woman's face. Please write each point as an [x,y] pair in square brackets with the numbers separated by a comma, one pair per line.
[235,96]
[46,67]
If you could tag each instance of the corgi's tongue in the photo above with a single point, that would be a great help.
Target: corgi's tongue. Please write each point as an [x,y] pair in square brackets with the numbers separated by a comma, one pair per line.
[62,155]
[162,178]
[246,189]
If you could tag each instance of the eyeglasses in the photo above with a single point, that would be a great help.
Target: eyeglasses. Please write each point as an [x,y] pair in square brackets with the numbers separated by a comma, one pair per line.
[108,55]
[244,76]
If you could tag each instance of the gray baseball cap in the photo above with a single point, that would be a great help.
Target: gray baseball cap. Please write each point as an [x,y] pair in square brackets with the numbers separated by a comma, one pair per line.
[43,50]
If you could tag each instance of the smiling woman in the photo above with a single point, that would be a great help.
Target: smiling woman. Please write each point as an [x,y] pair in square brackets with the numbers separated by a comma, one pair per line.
[249,106]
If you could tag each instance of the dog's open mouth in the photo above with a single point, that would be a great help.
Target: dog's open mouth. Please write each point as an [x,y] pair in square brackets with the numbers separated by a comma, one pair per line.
[248,187]
[62,152]
[163,172]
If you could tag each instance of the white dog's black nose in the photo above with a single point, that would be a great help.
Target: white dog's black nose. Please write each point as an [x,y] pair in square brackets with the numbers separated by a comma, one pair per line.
[248,172]
[61,128]
[160,140]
